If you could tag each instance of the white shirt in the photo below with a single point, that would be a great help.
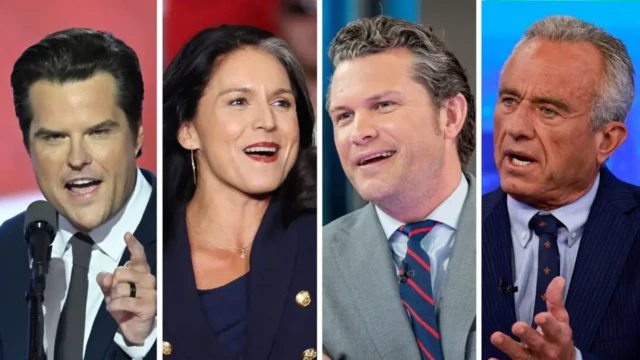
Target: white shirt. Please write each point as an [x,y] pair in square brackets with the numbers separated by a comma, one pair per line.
[438,243]
[105,257]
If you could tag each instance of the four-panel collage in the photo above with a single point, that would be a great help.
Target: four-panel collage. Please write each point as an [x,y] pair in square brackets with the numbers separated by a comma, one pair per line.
[319,179]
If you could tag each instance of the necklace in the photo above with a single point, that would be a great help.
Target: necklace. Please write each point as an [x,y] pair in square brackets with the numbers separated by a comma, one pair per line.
[243,250]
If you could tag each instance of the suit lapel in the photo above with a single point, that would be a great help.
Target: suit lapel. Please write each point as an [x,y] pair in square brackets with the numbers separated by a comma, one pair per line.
[608,235]
[180,298]
[272,264]
[457,304]
[498,310]
[104,326]
[364,258]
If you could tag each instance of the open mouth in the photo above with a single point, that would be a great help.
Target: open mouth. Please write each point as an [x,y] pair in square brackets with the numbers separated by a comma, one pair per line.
[263,152]
[519,159]
[82,186]
[374,158]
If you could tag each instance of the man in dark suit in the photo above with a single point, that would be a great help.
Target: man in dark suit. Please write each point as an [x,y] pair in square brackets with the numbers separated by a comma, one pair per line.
[561,226]
[78,98]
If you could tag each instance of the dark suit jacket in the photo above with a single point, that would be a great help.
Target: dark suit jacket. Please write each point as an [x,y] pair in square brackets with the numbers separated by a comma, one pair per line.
[603,300]
[14,282]
[283,262]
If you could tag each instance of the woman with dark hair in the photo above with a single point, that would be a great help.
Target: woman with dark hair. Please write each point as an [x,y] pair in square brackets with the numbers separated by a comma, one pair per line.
[239,200]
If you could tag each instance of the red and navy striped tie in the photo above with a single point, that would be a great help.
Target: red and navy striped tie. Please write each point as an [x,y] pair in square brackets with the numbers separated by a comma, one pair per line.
[416,292]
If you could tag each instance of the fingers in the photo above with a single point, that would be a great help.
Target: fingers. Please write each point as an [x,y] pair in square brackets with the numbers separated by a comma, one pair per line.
[124,290]
[144,308]
[138,257]
[528,335]
[508,346]
[555,300]
[551,328]
[105,281]
[127,275]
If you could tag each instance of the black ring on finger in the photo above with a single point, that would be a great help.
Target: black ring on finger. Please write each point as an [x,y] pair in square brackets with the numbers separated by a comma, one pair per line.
[132,289]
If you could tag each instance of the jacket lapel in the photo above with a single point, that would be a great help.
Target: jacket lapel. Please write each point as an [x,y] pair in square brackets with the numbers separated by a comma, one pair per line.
[272,264]
[364,258]
[498,310]
[457,304]
[608,235]
[104,326]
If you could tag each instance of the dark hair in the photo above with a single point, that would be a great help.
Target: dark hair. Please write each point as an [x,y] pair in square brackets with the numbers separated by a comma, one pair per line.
[185,80]
[74,55]
[435,67]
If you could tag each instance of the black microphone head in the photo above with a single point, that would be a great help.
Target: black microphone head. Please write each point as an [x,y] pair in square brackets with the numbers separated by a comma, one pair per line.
[41,214]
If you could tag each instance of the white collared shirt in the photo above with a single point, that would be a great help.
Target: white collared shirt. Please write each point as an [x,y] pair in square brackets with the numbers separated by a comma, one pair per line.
[105,257]
[438,243]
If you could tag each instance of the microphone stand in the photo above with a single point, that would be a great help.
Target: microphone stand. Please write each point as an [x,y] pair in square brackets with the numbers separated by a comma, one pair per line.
[39,236]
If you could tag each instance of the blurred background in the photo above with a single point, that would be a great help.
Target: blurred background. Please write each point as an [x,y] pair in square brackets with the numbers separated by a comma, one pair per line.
[292,20]
[454,21]
[26,22]
[504,22]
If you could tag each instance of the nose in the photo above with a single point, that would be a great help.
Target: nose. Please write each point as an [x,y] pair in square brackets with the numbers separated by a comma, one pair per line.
[519,124]
[264,118]
[364,130]
[78,156]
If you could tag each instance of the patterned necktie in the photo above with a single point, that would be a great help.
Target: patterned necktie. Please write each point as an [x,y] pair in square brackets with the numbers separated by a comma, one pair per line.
[546,227]
[70,332]
[416,292]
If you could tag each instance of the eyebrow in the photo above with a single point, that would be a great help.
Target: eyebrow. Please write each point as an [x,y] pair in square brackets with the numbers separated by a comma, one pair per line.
[245,90]
[537,99]
[370,100]
[43,132]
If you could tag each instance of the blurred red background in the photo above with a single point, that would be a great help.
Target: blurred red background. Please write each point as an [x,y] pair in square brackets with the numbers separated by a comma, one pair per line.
[26,22]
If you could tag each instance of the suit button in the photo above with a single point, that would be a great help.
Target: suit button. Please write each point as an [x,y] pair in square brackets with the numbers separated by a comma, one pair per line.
[309,354]
[303,298]
[167,349]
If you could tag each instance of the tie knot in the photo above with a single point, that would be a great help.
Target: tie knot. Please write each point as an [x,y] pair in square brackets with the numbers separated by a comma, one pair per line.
[81,245]
[417,229]
[545,224]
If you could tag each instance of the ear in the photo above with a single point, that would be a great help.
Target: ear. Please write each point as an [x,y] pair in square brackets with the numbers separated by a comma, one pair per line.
[608,139]
[455,110]
[188,136]
[140,139]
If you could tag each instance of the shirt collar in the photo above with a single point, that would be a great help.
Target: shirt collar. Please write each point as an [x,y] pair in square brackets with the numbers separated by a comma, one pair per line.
[448,212]
[573,216]
[109,237]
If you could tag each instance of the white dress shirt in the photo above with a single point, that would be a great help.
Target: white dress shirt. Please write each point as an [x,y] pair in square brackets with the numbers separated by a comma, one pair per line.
[105,257]
[438,243]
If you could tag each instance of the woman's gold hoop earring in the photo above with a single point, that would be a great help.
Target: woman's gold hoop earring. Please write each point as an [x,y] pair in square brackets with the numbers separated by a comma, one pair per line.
[193,166]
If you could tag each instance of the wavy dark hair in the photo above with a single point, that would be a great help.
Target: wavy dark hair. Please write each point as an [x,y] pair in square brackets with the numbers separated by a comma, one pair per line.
[185,80]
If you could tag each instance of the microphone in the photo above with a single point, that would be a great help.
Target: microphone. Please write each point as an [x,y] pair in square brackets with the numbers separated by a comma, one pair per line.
[506,289]
[40,227]
[403,274]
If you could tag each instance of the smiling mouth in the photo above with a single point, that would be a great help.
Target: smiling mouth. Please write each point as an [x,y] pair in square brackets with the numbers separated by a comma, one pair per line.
[262,152]
[375,158]
[519,160]
[82,186]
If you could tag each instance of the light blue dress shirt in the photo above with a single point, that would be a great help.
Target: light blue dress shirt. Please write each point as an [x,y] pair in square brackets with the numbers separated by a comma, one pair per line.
[438,243]
[525,247]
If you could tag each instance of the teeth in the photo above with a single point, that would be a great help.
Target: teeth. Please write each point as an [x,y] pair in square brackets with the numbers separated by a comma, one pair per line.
[384,154]
[519,162]
[81,182]
[260,149]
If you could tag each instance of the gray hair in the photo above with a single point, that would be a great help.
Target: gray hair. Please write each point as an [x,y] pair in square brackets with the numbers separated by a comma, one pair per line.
[613,102]
[436,68]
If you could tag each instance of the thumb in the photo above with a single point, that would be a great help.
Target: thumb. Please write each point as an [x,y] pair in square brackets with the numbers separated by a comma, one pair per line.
[555,299]
[105,281]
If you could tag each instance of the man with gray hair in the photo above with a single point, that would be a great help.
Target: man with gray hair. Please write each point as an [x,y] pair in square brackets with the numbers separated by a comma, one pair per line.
[399,274]
[561,218]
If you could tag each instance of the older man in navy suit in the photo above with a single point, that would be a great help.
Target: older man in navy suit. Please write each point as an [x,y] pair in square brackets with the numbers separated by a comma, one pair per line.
[78,98]
[561,226]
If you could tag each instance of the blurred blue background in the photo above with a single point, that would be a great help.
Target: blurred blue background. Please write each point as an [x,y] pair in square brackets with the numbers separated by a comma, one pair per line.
[504,22]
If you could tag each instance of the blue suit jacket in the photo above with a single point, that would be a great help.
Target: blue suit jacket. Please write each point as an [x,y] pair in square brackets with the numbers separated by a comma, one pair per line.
[283,262]
[14,282]
[603,300]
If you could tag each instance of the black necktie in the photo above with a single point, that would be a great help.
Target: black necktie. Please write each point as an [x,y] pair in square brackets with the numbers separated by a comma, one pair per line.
[70,332]
[546,227]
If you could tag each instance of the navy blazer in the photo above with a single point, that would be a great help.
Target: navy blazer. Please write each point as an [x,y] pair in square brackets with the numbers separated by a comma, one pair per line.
[14,282]
[603,300]
[283,262]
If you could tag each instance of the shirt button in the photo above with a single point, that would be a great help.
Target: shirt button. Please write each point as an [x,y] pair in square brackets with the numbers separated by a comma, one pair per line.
[523,236]
[573,235]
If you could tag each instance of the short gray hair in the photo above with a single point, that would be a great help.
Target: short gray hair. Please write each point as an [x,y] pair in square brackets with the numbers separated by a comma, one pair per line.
[435,67]
[613,102]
